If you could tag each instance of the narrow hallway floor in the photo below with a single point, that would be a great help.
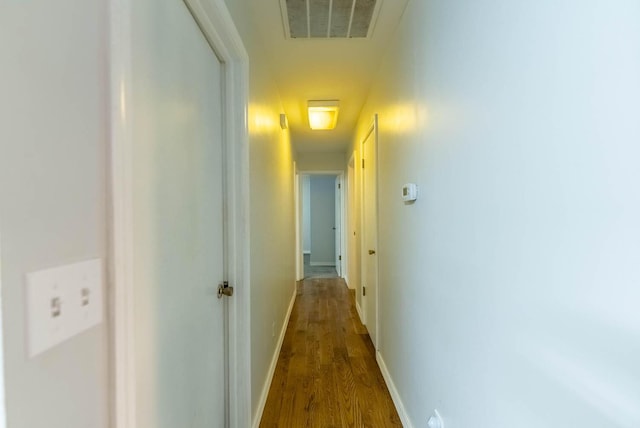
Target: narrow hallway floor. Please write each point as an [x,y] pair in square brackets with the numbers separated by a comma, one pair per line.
[318,271]
[327,375]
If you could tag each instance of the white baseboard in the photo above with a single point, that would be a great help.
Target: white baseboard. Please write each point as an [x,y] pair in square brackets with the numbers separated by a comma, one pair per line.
[322,263]
[346,279]
[404,417]
[274,363]
[359,311]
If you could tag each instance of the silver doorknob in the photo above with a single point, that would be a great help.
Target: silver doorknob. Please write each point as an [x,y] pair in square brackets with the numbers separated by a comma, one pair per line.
[372,252]
[224,290]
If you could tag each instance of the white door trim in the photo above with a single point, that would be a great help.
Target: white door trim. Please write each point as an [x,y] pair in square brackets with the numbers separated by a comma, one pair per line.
[121,261]
[3,415]
[297,183]
[218,27]
[299,250]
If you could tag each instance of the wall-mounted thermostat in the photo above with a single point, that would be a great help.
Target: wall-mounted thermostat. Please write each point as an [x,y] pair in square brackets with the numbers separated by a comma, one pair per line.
[409,192]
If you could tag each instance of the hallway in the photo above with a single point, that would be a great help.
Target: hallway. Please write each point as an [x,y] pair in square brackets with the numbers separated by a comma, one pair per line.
[486,155]
[327,375]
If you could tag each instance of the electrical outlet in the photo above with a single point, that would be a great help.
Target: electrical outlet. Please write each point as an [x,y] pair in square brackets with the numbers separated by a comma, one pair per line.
[62,302]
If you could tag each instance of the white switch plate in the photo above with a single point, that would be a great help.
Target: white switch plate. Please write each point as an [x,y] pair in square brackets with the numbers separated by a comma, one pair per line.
[62,302]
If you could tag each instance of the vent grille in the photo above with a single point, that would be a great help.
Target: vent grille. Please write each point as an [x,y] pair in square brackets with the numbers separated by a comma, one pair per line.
[328,18]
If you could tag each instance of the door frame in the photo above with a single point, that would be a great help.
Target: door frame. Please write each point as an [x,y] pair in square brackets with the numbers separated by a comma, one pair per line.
[372,131]
[3,415]
[339,211]
[216,24]
[298,202]
[298,213]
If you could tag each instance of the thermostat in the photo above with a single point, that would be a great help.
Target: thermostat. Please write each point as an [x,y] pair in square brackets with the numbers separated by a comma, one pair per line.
[409,192]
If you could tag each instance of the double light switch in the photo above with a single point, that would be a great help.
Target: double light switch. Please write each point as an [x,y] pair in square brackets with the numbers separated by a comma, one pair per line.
[63,302]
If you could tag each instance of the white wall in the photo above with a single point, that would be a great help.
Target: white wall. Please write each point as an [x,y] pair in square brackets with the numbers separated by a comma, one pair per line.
[272,206]
[320,161]
[306,214]
[53,158]
[509,290]
[322,219]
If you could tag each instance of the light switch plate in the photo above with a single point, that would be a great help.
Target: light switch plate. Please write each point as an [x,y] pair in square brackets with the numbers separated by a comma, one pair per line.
[62,302]
[46,310]
[86,293]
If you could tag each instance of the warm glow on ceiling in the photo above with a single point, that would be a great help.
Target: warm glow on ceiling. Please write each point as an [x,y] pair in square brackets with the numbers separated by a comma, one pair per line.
[323,114]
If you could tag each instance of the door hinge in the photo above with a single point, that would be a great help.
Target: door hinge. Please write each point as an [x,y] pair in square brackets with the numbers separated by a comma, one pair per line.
[364,291]
[339,186]
[339,257]
[362,163]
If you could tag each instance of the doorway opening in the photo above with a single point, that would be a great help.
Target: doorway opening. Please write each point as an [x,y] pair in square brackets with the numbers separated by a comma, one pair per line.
[321,224]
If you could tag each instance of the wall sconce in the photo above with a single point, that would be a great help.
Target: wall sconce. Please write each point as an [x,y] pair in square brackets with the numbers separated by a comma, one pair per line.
[284,122]
[323,114]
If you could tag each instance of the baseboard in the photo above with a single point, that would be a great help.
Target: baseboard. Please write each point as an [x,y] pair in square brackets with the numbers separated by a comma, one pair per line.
[346,280]
[359,311]
[322,263]
[395,396]
[274,363]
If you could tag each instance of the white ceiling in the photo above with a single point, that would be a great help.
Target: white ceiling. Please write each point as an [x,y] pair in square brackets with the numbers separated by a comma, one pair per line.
[324,69]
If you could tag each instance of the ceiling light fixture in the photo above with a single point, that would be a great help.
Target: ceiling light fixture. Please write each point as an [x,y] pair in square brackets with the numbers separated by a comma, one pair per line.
[323,114]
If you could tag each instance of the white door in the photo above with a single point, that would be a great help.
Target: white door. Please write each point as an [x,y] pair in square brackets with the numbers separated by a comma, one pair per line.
[353,264]
[180,230]
[338,225]
[370,234]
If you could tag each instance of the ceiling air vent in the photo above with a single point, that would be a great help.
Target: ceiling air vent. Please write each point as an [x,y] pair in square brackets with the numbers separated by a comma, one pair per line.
[323,19]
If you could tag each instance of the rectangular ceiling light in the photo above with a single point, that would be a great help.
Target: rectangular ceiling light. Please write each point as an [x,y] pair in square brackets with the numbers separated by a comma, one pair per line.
[323,114]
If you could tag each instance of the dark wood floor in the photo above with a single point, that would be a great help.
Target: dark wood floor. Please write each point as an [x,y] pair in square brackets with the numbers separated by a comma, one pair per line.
[327,375]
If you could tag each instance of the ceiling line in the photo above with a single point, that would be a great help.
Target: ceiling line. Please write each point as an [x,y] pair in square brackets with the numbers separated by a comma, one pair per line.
[353,10]
[330,17]
[308,20]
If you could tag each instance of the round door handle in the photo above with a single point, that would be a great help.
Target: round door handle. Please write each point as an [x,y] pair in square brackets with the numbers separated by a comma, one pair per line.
[224,290]
[372,252]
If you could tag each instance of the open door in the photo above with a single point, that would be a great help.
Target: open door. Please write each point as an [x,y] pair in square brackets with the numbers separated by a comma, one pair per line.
[369,247]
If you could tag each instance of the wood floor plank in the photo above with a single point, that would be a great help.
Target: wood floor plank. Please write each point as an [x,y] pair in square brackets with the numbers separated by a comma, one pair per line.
[327,375]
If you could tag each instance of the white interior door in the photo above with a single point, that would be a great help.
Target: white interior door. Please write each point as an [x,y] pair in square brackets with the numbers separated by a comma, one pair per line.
[353,264]
[179,227]
[338,225]
[370,235]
